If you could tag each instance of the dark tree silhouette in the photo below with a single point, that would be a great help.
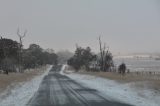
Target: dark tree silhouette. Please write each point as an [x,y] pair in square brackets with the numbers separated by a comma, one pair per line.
[82,57]
[8,54]
[35,56]
[122,68]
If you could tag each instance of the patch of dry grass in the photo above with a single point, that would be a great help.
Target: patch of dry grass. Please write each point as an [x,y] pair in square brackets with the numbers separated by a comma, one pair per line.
[15,78]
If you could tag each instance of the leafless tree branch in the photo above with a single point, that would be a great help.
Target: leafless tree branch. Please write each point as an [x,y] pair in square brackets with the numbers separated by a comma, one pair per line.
[21,36]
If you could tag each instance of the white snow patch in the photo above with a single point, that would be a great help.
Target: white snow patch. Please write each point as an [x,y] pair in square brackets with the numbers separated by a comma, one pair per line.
[62,69]
[21,95]
[119,92]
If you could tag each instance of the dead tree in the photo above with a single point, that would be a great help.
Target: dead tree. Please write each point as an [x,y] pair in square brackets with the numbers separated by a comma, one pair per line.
[20,60]
[106,57]
[102,53]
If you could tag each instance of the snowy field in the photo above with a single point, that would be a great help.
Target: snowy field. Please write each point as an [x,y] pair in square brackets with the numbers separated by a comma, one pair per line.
[139,64]
[21,94]
[120,92]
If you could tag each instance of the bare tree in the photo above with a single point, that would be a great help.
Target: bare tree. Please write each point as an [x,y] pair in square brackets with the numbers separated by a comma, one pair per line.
[106,57]
[21,37]
[102,53]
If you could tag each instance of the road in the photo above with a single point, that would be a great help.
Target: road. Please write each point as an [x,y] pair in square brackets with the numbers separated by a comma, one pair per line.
[60,90]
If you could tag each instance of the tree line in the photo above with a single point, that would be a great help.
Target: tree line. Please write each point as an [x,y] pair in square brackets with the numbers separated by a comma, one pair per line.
[84,58]
[14,58]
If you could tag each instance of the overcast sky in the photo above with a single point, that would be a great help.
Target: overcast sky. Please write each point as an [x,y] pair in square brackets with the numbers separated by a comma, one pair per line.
[125,25]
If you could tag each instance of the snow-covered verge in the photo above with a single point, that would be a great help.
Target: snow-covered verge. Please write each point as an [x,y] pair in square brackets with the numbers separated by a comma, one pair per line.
[119,92]
[21,94]
[63,69]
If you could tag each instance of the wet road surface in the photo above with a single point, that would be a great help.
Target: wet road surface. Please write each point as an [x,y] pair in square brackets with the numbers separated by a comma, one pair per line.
[60,90]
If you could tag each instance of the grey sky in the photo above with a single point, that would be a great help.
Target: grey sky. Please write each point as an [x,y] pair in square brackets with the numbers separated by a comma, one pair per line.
[125,25]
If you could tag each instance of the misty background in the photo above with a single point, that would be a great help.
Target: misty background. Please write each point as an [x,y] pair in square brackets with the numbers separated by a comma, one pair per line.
[127,26]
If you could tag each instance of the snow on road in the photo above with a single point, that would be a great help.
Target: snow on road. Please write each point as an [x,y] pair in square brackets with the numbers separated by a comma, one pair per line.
[20,96]
[112,90]
[119,92]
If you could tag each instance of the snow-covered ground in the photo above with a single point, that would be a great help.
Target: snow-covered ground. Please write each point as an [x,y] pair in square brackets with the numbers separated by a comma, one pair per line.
[127,93]
[120,92]
[20,95]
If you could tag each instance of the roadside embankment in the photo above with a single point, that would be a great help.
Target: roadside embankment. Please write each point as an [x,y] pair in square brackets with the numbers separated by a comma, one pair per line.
[18,88]
[130,89]
[12,79]
[143,81]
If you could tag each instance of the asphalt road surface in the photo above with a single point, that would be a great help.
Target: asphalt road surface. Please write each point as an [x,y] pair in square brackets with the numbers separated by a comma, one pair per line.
[59,90]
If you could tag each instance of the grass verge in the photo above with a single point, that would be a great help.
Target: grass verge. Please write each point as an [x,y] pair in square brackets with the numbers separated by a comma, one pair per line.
[149,81]
[13,79]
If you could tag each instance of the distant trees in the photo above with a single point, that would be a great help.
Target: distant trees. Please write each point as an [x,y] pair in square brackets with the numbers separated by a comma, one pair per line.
[13,58]
[35,56]
[82,57]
